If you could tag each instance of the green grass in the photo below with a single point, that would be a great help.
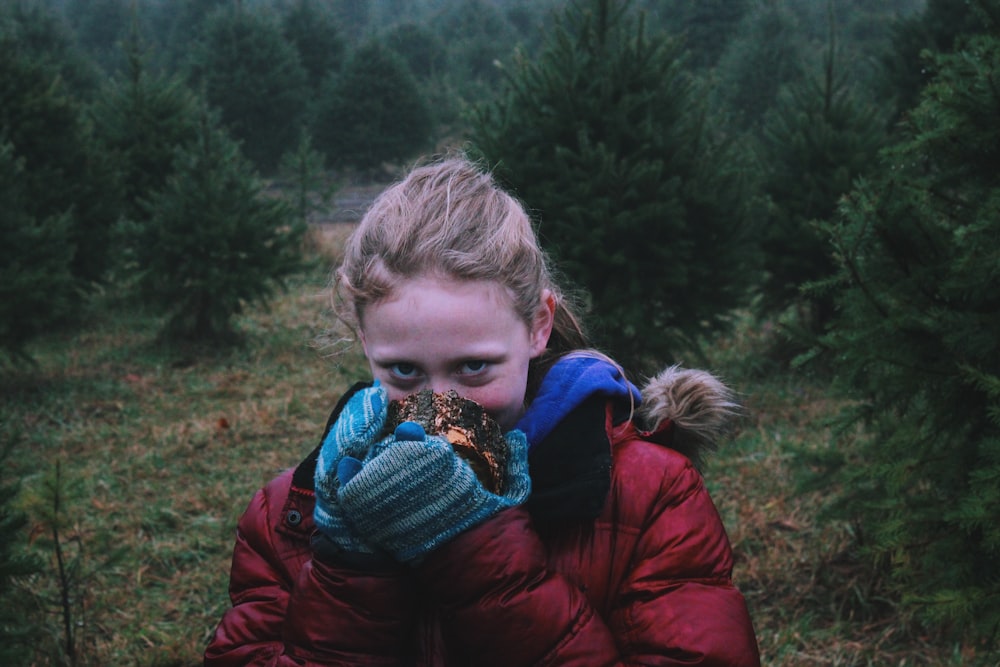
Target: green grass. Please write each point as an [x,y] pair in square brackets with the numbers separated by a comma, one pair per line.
[161,448]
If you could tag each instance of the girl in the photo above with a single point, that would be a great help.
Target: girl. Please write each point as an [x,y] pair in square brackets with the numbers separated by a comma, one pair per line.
[602,548]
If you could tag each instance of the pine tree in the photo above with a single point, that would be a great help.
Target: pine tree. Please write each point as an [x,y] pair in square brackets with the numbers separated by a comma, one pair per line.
[143,120]
[766,53]
[213,241]
[311,28]
[179,25]
[604,138]
[426,56]
[63,170]
[939,28]
[708,26]
[477,35]
[253,76]
[530,20]
[16,626]
[303,173]
[373,113]
[422,50]
[37,290]
[99,25]
[354,16]
[40,35]
[917,348]
[819,138]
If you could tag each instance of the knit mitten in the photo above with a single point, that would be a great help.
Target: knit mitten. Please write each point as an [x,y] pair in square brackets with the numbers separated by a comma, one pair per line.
[350,438]
[413,493]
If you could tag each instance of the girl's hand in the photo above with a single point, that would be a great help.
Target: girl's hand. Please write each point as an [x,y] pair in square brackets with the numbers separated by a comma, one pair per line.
[352,435]
[414,493]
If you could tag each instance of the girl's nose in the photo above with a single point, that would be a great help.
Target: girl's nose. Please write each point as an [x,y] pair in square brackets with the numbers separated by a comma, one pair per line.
[440,385]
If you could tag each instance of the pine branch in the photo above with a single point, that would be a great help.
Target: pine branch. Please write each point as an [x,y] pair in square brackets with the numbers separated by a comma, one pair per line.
[64,578]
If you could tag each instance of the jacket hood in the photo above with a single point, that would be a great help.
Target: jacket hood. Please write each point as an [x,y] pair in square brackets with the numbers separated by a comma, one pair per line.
[699,407]
[568,384]
[685,409]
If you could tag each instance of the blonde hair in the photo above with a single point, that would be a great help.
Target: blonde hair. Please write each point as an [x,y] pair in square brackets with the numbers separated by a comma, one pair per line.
[451,218]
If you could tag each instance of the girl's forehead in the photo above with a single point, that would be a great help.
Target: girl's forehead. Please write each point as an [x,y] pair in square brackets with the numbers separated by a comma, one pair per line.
[441,316]
[441,290]
[447,287]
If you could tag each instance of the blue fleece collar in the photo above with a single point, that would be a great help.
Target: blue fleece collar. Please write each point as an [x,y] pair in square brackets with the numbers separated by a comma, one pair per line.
[572,380]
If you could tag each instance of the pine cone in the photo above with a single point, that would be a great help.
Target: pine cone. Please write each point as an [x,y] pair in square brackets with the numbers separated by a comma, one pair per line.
[472,433]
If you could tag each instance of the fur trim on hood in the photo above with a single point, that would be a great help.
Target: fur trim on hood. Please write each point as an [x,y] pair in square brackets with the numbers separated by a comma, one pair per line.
[701,408]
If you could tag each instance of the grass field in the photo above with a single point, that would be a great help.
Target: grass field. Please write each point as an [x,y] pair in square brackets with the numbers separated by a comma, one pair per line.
[159,449]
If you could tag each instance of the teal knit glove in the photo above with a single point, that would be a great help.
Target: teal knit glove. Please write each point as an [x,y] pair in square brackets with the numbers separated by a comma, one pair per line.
[350,438]
[413,493]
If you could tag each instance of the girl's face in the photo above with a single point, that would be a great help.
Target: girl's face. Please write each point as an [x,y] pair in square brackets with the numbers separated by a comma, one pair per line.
[440,334]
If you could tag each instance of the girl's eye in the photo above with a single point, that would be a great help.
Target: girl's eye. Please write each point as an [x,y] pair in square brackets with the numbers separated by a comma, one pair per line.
[405,371]
[474,367]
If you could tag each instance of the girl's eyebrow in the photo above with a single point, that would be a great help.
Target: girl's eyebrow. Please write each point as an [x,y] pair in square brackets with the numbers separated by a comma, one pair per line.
[492,358]
[393,361]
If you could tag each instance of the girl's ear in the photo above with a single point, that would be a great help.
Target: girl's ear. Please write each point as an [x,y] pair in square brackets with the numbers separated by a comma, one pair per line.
[541,327]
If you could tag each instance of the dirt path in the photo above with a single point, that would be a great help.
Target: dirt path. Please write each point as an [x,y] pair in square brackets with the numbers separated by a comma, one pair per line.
[349,204]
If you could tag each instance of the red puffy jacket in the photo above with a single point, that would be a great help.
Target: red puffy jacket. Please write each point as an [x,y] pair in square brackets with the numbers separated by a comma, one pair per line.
[627,568]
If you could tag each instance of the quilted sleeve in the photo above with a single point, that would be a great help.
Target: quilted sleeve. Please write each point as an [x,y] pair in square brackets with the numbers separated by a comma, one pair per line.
[288,609]
[677,604]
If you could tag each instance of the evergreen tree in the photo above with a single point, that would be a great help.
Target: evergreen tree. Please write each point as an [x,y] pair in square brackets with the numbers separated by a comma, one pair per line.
[917,347]
[707,27]
[815,143]
[16,631]
[317,40]
[531,21]
[213,241]
[143,119]
[422,50]
[604,138]
[179,24]
[39,34]
[373,113]
[353,15]
[253,76]
[477,35]
[766,54]
[36,288]
[425,54]
[936,29]
[867,30]
[391,11]
[99,26]
[63,169]
[302,171]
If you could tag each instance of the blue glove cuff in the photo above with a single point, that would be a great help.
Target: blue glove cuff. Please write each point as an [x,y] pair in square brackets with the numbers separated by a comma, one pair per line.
[349,440]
